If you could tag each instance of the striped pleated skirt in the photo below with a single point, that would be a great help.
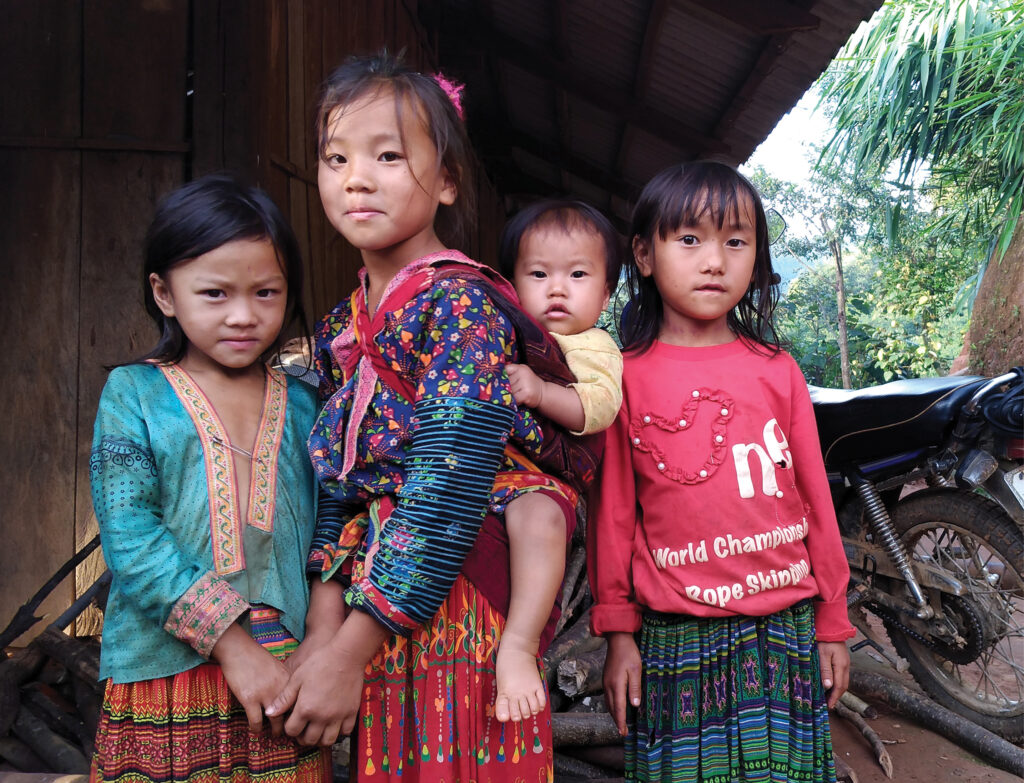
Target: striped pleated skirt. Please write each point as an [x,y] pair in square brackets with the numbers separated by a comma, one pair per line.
[188,727]
[729,699]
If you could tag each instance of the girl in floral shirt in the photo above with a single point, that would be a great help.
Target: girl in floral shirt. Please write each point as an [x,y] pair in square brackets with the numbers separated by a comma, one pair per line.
[419,447]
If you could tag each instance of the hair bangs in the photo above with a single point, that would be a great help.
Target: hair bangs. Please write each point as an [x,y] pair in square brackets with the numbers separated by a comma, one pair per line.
[704,193]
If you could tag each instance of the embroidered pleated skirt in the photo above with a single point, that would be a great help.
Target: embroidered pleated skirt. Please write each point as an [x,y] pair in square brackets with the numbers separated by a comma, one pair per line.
[427,712]
[731,699]
[188,727]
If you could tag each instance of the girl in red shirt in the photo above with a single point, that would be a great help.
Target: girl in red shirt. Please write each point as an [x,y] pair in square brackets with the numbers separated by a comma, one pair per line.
[714,553]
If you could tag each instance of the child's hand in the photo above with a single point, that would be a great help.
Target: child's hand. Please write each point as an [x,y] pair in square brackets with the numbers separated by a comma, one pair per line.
[313,641]
[835,669]
[323,695]
[326,613]
[324,690]
[253,675]
[622,677]
[527,388]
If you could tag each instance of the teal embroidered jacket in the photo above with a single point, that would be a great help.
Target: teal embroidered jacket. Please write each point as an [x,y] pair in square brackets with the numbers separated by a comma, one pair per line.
[184,565]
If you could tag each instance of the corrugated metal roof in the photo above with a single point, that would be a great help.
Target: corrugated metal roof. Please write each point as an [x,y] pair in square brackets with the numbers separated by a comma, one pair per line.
[590,98]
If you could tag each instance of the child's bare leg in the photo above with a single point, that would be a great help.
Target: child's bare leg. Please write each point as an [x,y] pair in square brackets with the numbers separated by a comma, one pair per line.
[536,535]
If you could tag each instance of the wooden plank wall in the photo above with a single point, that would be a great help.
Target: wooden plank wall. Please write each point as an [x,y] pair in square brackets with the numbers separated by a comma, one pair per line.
[114,105]
[97,136]
[304,42]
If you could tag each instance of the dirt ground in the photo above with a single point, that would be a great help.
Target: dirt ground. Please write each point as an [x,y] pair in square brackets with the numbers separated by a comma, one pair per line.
[918,755]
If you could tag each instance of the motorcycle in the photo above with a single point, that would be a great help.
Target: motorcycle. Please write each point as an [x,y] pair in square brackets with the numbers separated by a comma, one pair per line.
[927,478]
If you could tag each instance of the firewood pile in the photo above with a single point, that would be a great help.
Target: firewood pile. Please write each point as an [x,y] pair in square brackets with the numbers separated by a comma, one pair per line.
[587,744]
[50,693]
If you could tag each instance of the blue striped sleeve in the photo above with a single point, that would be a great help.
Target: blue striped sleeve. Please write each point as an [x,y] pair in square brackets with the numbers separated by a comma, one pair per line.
[457,449]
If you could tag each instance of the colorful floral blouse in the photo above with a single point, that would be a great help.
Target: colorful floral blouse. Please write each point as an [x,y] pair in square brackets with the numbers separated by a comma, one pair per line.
[437,455]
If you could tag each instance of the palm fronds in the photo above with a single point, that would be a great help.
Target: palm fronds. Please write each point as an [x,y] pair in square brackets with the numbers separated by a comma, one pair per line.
[938,82]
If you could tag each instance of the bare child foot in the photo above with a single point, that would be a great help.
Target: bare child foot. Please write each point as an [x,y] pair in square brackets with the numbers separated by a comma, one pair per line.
[536,536]
[520,688]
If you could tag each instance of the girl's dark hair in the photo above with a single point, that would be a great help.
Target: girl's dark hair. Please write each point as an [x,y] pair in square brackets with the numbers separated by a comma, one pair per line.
[682,195]
[568,216]
[201,216]
[369,76]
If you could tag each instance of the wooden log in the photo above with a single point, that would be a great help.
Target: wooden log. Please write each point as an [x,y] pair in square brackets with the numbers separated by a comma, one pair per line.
[57,713]
[60,754]
[608,756]
[54,674]
[25,617]
[21,666]
[582,728]
[854,717]
[593,703]
[98,588]
[971,736]
[558,700]
[47,777]
[574,639]
[89,703]
[582,674]
[79,658]
[577,559]
[858,705]
[581,598]
[567,766]
[844,772]
[20,755]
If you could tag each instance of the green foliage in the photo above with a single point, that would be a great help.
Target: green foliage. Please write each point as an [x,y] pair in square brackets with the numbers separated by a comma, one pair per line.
[938,82]
[905,287]
[611,316]
[808,318]
[903,322]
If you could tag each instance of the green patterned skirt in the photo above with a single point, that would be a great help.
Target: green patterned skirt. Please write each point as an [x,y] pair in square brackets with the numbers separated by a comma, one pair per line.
[731,699]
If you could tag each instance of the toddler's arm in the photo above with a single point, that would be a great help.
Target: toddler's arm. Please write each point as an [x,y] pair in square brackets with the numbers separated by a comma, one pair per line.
[561,404]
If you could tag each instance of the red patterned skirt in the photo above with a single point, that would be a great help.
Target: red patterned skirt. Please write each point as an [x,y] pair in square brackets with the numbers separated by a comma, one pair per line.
[188,727]
[427,712]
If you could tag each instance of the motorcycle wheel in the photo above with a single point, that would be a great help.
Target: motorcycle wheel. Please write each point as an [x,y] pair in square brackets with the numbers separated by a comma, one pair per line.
[977,543]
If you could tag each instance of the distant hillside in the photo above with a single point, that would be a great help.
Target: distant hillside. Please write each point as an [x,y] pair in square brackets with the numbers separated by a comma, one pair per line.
[788,268]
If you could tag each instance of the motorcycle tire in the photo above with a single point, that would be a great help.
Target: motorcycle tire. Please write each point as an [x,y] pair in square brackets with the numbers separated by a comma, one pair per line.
[977,542]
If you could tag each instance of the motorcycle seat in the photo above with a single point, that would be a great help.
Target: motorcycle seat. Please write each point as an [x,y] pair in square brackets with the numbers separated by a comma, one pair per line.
[864,424]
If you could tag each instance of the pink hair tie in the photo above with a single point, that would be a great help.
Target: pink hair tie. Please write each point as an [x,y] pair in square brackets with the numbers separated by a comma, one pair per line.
[453,90]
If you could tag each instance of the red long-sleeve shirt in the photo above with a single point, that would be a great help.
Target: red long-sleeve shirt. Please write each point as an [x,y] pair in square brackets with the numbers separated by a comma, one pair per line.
[712,498]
